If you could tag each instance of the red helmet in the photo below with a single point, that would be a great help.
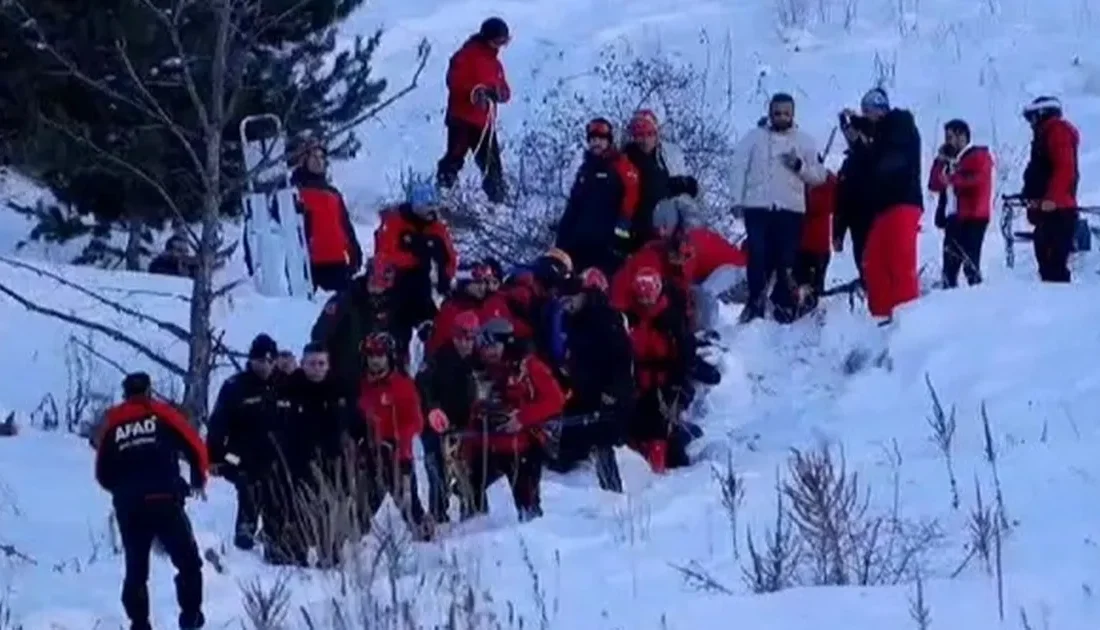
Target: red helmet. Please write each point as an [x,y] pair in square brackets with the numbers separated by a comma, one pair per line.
[593,278]
[378,344]
[648,285]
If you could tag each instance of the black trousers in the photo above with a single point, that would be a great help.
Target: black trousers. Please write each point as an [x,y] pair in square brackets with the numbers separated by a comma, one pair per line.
[772,240]
[524,473]
[140,522]
[462,138]
[962,249]
[810,269]
[439,488]
[1053,242]
[397,479]
[248,507]
[331,277]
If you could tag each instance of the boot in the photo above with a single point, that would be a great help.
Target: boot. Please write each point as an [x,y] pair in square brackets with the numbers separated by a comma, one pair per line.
[656,453]
[244,542]
[192,621]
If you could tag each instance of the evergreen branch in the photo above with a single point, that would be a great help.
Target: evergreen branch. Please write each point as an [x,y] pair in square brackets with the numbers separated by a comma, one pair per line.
[188,78]
[107,331]
[128,167]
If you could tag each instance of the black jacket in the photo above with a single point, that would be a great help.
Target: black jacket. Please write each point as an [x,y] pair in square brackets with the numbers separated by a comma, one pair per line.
[139,448]
[656,185]
[351,316]
[598,355]
[169,265]
[587,227]
[855,193]
[897,162]
[324,417]
[249,420]
[447,383]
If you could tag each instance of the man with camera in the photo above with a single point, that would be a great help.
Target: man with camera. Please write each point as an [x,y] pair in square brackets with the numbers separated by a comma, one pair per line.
[962,174]
[774,163]
[894,203]
[854,187]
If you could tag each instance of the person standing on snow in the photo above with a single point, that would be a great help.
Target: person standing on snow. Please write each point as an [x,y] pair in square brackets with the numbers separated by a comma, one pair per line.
[855,186]
[448,389]
[137,460]
[505,437]
[390,404]
[370,305]
[890,255]
[1050,186]
[962,174]
[412,238]
[662,172]
[244,430]
[475,87]
[773,165]
[334,252]
[595,229]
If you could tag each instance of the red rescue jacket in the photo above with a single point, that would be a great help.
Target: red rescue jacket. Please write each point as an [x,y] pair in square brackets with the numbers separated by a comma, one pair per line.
[476,64]
[452,307]
[391,407]
[817,227]
[656,357]
[535,394]
[329,231]
[971,182]
[392,247]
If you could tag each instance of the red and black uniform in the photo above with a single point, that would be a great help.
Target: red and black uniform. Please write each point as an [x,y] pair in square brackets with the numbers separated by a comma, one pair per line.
[1052,176]
[137,461]
[390,405]
[475,85]
[460,301]
[595,229]
[965,186]
[664,351]
[897,201]
[524,390]
[334,251]
[812,261]
[410,245]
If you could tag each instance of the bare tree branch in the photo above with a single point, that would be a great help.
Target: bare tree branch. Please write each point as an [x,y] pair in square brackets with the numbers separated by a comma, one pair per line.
[107,331]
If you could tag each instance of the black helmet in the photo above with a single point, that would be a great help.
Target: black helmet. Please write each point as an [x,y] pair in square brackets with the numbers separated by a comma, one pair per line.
[493,28]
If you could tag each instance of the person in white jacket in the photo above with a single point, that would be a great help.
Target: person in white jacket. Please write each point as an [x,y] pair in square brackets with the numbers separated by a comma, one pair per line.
[772,166]
[662,172]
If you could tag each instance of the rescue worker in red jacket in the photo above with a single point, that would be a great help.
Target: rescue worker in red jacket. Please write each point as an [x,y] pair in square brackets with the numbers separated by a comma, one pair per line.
[470,294]
[962,174]
[412,238]
[476,85]
[595,229]
[663,354]
[137,460]
[812,261]
[1050,186]
[518,396]
[390,404]
[334,252]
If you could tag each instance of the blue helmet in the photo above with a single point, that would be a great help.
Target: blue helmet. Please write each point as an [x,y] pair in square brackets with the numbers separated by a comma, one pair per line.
[422,195]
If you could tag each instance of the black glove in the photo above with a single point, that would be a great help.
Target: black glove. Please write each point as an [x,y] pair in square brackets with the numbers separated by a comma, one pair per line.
[684,185]
[792,161]
[424,331]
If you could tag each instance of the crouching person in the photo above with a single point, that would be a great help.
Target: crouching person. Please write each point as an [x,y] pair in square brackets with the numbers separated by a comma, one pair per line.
[519,396]
[137,461]
[390,405]
[664,351]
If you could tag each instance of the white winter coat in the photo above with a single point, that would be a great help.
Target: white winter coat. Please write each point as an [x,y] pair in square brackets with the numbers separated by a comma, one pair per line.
[761,180]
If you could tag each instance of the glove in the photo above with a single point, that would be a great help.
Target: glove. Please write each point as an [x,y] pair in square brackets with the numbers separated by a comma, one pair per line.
[792,161]
[424,331]
[622,236]
[438,421]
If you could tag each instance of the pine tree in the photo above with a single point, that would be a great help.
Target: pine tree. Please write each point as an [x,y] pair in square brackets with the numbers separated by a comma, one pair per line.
[60,125]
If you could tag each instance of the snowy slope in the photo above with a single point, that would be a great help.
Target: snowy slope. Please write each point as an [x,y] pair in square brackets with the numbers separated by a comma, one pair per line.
[603,561]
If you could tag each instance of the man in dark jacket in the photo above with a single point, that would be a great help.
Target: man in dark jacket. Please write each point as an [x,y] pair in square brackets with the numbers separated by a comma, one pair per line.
[334,252]
[243,435]
[175,260]
[659,169]
[137,460]
[448,390]
[598,375]
[854,190]
[1050,186]
[368,306]
[890,255]
[324,423]
[595,229]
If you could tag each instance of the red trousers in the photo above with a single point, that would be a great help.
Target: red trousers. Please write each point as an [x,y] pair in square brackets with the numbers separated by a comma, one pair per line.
[890,260]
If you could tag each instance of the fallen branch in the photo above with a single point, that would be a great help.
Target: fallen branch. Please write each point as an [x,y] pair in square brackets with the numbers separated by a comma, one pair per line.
[107,331]
[9,551]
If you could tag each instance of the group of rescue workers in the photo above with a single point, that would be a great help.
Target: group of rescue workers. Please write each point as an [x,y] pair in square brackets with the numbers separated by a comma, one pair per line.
[593,345]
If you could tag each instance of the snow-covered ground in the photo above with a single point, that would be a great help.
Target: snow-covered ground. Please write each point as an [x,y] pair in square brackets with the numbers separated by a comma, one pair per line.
[604,561]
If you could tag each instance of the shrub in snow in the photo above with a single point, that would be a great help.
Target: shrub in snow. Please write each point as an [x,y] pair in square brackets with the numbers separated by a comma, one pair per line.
[541,161]
[82,405]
